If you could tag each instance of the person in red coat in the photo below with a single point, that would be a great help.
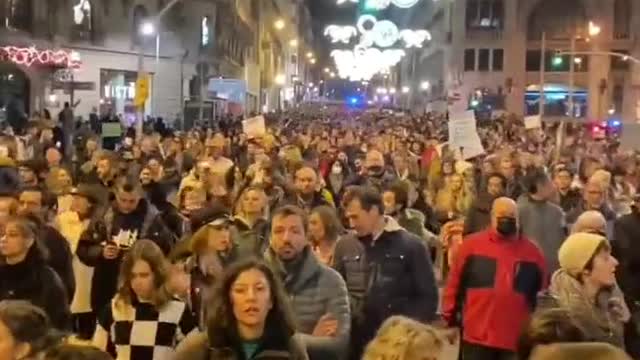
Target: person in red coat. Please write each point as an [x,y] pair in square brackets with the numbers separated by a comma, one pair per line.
[493,285]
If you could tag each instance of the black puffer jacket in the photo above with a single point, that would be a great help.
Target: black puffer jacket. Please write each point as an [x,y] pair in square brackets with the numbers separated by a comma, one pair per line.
[145,220]
[391,275]
[34,281]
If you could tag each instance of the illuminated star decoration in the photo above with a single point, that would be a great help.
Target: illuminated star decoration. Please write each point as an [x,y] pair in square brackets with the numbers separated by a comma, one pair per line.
[341,34]
[31,55]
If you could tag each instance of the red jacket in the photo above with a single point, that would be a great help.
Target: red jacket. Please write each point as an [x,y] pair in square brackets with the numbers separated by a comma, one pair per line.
[492,288]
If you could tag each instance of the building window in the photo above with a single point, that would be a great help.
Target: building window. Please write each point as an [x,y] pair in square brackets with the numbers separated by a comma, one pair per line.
[205,32]
[622,19]
[617,97]
[497,60]
[17,14]
[485,14]
[532,62]
[117,93]
[470,60]
[483,59]
[618,63]
[82,20]
[558,20]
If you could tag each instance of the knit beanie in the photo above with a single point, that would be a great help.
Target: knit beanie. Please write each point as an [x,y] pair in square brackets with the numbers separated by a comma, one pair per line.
[577,250]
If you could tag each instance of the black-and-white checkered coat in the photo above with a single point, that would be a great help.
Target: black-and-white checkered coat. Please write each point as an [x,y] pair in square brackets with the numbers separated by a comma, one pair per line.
[142,332]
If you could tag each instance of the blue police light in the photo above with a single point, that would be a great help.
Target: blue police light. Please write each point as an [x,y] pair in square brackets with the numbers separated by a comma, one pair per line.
[615,123]
[353,101]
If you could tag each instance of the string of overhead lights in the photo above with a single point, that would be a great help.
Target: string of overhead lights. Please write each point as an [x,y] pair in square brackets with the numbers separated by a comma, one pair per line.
[376,41]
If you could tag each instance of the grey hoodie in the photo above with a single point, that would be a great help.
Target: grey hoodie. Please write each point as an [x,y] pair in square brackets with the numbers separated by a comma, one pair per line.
[543,223]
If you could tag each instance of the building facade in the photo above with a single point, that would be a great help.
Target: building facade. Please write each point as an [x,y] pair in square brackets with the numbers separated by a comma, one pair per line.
[89,52]
[490,53]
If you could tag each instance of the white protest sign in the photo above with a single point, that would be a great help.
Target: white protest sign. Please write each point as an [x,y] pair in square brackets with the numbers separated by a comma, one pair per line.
[254,127]
[463,135]
[630,136]
[532,122]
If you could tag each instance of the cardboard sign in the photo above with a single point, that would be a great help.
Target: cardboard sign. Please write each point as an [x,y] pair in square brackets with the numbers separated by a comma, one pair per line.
[254,127]
[532,122]
[463,135]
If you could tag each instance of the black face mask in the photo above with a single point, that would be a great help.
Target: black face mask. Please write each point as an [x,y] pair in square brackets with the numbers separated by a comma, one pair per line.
[507,226]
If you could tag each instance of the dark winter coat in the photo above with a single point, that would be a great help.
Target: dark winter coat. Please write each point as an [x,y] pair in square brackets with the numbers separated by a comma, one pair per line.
[145,219]
[34,281]
[60,258]
[316,290]
[391,275]
[627,252]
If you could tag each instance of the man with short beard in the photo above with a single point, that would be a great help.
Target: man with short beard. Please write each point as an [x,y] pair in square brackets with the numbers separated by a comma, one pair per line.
[319,295]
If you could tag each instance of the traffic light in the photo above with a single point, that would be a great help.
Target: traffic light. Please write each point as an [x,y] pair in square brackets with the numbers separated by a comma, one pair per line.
[557,61]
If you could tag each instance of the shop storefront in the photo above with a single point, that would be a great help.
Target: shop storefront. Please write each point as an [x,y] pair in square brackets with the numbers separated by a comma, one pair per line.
[24,74]
[117,93]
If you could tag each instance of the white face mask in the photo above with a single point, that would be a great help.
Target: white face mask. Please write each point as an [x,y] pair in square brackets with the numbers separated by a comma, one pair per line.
[336,169]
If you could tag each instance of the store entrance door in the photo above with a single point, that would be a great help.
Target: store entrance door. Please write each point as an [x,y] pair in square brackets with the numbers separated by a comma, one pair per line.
[14,94]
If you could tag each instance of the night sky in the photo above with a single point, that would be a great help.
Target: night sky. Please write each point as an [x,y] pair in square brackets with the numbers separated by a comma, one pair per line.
[325,12]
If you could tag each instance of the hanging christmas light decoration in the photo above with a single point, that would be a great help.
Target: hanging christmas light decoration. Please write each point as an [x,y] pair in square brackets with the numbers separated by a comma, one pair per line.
[405,4]
[357,64]
[365,60]
[376,4]
[414,38]
[382,4]
[385,33]
[341,34]
[31,55]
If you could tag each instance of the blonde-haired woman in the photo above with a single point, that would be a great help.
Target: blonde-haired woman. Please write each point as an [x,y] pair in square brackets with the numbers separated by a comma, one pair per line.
[60,183]
[250,227]
[454,200]
[143,321]
[401,338]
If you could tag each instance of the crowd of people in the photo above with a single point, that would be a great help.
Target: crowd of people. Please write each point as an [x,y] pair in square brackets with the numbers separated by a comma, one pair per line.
[329,236]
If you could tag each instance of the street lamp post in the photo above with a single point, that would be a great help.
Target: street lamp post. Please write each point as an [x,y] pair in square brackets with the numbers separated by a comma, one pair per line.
[148,29]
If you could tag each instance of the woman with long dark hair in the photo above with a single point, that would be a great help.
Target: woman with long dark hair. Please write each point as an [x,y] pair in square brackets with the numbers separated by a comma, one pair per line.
[143,321]
[249,318]
[25,275]
[25,331]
